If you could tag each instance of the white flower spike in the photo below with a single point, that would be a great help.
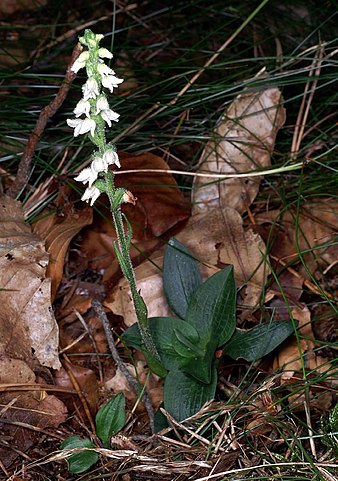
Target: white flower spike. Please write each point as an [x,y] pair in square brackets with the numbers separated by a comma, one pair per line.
[87,110]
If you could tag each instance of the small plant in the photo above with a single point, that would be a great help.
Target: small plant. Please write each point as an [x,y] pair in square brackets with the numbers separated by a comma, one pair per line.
[206,322]
[109,420]
[182,349]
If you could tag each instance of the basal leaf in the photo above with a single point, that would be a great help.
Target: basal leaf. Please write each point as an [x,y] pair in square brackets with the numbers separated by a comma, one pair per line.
[110,419]
[212,308]
[164,331]
[83,460]
[259,341]
[201,367]
[184,395]
[181,276]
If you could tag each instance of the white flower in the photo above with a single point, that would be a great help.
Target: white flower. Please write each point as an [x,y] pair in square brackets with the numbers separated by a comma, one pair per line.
[111,82]
[92,42]
[91,194]
[110,157]
[104,53]
[90,89]
[103,69]
[101,104]
[99,165]
[107,114]
[80,62]
[82,126]
[82,107]
[87,175]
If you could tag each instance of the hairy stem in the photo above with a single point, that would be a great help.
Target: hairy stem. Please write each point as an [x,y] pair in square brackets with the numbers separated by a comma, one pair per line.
[123,254]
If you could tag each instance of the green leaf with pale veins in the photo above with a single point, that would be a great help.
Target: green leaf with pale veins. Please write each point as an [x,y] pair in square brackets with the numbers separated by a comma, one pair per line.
[181,276]
[259,341]
[84,459]
[110,419]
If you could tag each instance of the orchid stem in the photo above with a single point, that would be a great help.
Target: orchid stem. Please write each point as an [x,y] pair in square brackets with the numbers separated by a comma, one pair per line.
[123,254]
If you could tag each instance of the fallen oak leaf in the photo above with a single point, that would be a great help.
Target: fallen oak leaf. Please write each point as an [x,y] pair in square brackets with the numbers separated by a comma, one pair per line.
[26,319]
[217,238]
[242,141]
[160,208]
[58,229]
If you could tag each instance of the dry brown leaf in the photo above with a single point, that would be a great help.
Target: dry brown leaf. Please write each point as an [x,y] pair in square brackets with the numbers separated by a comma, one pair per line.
[242,142]
[26,320]
[215,234]
[119,383]
[8,7]
[218,238]
[58,229]
[317,221]
[86,379]
[160,207]
[294,354]
[15,371]
[290,358]
[149,282]
[33,409]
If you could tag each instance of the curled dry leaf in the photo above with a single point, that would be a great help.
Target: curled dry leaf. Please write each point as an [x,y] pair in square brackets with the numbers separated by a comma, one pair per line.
[160,207]
[58,229]
[26,320]
[242,142]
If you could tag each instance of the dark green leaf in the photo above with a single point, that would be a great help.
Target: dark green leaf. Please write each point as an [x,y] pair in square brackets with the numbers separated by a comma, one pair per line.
[110,419]
[181,276]
[184,346]
[184,395]
[164,331]
[200,367]
[212,308]
[259,341]
[83,460]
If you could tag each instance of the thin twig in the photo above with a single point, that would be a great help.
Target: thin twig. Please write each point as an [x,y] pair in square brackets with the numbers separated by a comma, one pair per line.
[98,308]
[68,368]
[47,113]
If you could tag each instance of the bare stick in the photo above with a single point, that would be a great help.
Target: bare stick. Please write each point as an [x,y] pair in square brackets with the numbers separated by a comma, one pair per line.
[24,168]
[98,308]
